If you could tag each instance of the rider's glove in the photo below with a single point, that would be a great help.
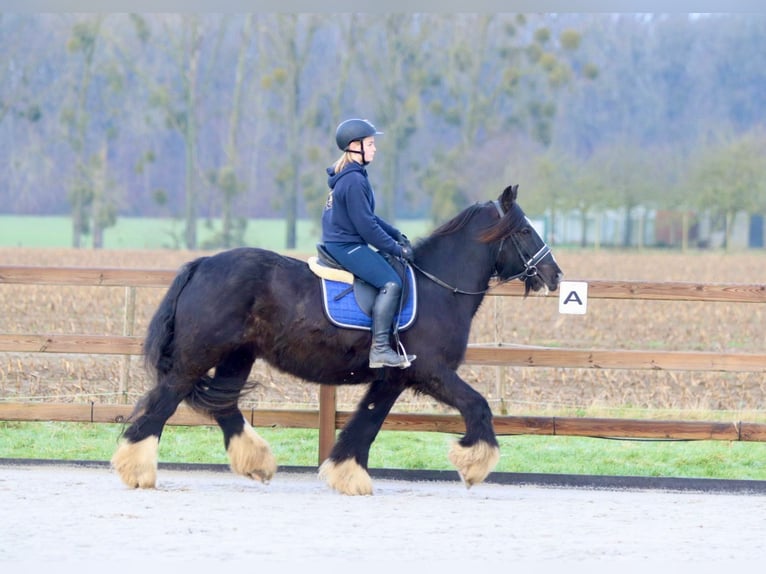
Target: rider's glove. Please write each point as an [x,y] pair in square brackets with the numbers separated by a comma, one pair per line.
[404,241]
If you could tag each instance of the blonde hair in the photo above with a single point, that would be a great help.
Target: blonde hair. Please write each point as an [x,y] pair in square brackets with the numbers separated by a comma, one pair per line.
[343,161]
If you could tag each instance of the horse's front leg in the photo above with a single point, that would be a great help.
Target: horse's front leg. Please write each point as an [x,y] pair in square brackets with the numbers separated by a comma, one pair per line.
[345,469]
[476,454]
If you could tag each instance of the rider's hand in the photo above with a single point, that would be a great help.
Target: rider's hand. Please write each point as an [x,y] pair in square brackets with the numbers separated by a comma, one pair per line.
[404,241]
[408,254]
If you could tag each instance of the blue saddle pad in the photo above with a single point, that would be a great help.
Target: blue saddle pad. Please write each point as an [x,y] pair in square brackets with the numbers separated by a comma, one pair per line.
[343,310]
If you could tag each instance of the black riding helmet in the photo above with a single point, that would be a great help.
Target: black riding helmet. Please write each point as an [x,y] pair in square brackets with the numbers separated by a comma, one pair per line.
[352,130]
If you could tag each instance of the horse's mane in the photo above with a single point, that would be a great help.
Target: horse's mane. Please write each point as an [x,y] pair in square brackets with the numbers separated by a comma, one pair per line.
[494,232]
[457,222]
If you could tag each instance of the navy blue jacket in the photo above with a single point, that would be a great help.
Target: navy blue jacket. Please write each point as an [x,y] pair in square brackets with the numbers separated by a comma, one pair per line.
[349,215]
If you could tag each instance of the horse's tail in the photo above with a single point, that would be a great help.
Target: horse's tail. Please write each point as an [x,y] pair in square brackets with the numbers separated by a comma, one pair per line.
[158,344]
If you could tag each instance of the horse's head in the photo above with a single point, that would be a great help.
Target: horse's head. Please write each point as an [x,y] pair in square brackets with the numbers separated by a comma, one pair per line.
[522,253]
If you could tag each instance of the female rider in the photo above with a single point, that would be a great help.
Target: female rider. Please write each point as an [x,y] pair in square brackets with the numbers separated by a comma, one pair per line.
[350,227]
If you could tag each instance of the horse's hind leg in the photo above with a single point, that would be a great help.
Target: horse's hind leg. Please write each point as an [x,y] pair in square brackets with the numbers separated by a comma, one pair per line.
[345,469]
[135,460]
[249,454]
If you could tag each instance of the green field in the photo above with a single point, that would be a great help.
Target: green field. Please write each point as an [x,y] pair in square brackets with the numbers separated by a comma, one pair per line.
[148,233]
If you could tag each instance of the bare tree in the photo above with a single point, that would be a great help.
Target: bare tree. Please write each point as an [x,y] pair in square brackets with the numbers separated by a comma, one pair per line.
[294,103]
[226,178]
[500,74]
[92,121]
[174,90]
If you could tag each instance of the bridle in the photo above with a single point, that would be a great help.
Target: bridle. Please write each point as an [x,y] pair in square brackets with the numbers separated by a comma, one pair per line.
[530,265]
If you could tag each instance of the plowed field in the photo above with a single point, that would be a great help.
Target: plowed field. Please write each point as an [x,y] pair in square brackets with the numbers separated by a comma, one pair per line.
[609,324]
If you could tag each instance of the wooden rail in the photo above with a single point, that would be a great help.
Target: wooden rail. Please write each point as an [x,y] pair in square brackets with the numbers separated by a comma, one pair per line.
[327,419]
[597,289]
[664,291]
[85,276]
[486,355]
[504,425]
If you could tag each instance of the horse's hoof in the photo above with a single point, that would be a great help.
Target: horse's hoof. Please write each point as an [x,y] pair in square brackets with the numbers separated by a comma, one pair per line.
[474,463]
[263,477]
[347,477]
[136,462]
[251,456]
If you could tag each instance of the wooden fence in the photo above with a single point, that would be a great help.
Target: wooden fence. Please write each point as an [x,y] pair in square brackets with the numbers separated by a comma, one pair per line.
[327,419]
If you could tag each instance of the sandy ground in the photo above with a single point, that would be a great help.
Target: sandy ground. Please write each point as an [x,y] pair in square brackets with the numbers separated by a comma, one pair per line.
[69,513]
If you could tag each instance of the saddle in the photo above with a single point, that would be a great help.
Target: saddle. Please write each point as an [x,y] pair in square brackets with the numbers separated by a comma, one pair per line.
[347,300]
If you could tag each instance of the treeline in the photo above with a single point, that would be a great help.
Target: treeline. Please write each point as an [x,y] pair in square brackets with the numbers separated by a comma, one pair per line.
[230,117]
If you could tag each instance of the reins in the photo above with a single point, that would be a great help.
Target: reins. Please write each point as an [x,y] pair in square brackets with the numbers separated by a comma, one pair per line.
[441,283]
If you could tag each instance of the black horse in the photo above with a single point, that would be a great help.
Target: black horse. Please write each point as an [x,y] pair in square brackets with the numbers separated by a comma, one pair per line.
[223,311]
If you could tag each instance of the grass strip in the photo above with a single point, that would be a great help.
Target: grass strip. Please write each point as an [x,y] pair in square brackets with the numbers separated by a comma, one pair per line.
[409,450]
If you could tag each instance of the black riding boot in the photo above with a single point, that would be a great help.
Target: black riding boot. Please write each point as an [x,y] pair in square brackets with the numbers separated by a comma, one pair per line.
[383,311]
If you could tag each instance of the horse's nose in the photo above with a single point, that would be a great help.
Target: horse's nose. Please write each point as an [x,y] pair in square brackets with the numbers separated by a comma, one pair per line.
[556,281]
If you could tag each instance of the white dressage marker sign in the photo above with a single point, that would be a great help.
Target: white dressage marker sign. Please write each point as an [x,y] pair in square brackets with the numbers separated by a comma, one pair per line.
[573,297]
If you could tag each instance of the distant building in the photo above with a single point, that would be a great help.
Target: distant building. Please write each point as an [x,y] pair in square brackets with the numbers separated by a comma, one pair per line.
[651,228]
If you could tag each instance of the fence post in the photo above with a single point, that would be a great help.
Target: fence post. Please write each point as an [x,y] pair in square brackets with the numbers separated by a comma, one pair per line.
[500,372]
[128,325]
[327,406]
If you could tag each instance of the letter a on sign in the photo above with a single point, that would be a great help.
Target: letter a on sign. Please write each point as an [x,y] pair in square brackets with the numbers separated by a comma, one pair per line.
[573,297]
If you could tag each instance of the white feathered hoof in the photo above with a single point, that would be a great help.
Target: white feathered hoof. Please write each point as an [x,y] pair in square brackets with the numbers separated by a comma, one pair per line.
[136,462]
[347,477]
[475,462]
[251,456]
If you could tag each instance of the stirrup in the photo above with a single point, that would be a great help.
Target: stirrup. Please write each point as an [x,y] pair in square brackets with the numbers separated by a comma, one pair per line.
[403,353]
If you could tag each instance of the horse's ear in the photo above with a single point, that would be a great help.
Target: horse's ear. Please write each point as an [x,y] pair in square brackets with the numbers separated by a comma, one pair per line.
[509,196]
